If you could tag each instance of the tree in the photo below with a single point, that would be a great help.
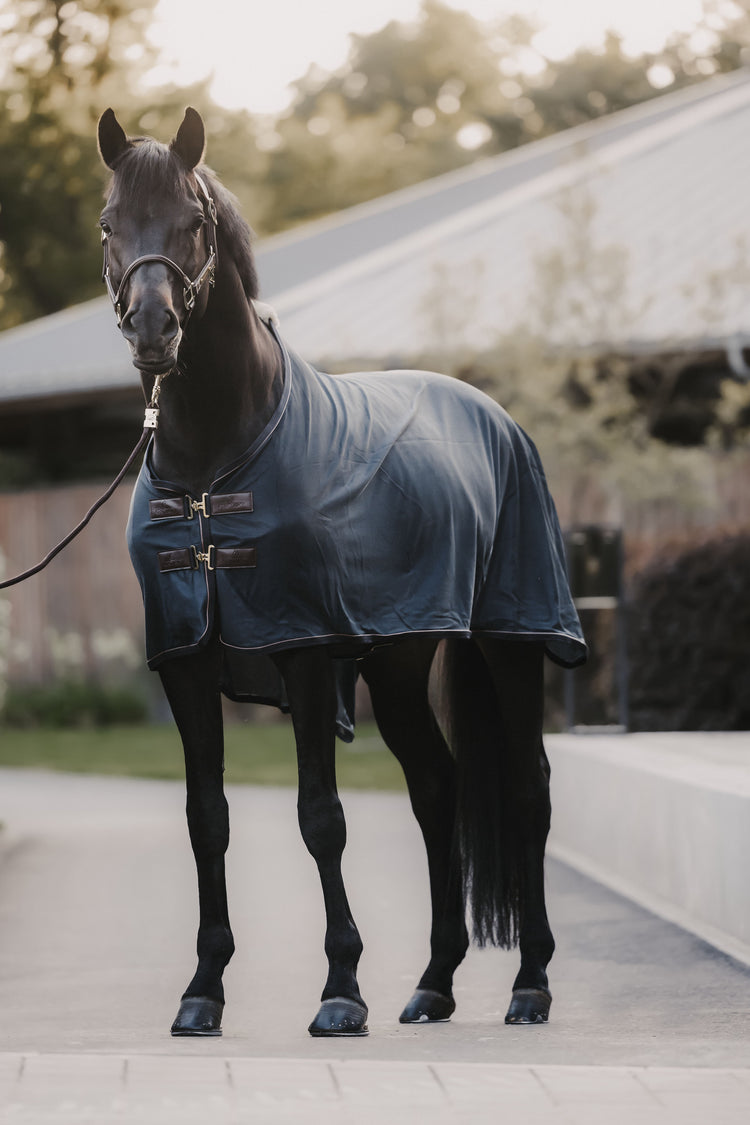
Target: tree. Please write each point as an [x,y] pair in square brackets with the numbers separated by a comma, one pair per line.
[411,101]
[62,63]
[57,52]
[414,100]
[60,58]
[392,115]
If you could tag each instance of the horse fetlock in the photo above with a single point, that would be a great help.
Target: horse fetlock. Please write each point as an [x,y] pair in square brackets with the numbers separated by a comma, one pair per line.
[216,944]
[438,976]
[537,948]
[342,982]
[344,946]
[532,973]
[449,942]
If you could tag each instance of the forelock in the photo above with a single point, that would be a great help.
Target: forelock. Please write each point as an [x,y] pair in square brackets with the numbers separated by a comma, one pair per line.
[150,170]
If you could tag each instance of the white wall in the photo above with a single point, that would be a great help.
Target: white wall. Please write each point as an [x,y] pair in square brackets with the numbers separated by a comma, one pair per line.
[663,819]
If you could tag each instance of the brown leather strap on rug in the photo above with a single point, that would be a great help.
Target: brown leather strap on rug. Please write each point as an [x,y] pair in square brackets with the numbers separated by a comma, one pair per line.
[185,507]
[216,558]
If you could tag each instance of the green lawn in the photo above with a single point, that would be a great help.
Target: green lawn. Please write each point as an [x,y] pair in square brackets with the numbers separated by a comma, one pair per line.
[256,754]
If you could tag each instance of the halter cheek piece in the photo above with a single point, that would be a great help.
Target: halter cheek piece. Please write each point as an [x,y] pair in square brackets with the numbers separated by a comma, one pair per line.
[191,289]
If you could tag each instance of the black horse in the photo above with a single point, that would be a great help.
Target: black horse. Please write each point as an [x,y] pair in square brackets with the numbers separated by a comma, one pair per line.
[291,530]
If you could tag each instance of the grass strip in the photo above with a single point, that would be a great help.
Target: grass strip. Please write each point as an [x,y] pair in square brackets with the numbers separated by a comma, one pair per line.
[255,754]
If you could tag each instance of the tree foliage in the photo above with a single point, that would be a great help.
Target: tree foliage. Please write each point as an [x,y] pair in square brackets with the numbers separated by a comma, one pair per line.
[60,57]
[63,61]
[409,102]
[414,100]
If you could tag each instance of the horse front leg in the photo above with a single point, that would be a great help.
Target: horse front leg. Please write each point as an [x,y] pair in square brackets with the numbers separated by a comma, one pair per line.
[309,680]
[191,684]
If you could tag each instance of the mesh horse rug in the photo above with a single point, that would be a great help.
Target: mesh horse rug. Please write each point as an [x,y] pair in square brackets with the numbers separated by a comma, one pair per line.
[372,506]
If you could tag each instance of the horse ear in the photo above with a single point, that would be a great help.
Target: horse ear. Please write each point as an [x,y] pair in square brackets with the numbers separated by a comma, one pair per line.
[191,139]
[112,140]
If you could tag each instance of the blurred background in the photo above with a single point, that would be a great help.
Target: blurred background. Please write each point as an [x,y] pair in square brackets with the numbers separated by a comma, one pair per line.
[546,200]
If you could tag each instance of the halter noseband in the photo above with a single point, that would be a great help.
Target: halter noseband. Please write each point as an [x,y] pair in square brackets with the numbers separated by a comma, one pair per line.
[191,289]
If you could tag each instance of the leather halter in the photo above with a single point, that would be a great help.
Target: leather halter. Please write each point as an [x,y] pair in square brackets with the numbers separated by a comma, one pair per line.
[191,289]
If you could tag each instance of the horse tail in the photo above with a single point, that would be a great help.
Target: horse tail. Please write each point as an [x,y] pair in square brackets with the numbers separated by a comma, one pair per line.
[489,836]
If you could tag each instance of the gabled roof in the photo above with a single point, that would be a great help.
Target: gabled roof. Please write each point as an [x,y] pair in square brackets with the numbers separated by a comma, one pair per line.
[649,205]
[647,208]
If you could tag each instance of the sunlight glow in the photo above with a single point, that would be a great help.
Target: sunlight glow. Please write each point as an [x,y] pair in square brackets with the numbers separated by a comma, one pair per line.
[473,135]
[254,52]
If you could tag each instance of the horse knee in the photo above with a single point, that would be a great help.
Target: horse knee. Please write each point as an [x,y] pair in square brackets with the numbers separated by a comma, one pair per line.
[323,827]
[208,824]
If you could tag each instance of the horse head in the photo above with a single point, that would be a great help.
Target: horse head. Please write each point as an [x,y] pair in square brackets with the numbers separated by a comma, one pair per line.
[159,237]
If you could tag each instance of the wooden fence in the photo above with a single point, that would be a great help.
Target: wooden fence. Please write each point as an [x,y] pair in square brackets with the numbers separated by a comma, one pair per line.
[84,611]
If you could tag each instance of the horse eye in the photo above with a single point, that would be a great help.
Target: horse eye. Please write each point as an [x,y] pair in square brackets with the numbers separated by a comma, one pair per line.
[197,225]
[105,226]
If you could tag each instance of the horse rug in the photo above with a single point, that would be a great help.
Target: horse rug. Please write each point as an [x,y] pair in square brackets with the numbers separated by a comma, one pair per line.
[372,506]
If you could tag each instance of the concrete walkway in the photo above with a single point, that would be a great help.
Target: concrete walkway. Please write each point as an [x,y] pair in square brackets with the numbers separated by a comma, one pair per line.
[97,933]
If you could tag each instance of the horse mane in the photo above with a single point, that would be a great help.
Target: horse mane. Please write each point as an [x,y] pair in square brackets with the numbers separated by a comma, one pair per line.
[233,232]
[149,168]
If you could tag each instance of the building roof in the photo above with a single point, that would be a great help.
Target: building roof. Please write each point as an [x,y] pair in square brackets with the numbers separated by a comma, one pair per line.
[630,231]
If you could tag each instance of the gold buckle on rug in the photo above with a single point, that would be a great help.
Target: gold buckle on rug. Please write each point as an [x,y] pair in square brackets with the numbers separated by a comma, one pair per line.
[199,506]
[206,557]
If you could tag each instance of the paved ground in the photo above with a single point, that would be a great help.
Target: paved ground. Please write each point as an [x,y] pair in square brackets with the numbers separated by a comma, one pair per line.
[97,925]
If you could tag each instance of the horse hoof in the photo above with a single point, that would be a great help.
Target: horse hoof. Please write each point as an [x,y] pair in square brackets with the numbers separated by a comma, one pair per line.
[427,1006]
[340,1016]
[198,1015]
[529,1005]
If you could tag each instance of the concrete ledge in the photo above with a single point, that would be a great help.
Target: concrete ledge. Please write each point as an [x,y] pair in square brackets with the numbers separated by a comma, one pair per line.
[663,819]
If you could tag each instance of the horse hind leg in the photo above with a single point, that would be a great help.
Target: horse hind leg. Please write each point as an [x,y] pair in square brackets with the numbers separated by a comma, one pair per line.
[517,672]
[191,685]
[506,811]
[398,680]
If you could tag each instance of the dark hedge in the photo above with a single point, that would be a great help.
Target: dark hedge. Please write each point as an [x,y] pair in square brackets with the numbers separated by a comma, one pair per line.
[689,639]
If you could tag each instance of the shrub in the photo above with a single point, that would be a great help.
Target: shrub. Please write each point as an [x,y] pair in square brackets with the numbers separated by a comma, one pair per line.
[72,703]
[689,628]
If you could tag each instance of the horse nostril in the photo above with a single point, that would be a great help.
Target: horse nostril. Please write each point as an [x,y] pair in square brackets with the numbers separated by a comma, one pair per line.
[126,324]
[171,324]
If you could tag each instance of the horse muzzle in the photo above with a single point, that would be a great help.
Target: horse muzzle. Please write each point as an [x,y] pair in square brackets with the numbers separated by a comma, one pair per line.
[153,331]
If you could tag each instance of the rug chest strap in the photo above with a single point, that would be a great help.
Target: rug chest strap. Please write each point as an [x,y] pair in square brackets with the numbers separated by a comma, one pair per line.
[216,558]
[185,507]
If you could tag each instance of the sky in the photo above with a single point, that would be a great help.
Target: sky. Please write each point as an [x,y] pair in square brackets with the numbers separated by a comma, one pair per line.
[255,49]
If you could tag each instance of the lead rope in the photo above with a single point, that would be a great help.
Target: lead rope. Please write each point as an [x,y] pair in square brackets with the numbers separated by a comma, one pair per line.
[150,423]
